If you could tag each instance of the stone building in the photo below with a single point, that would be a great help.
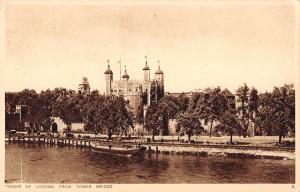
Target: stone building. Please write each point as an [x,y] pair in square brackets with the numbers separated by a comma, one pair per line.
[139,93]
[84,86]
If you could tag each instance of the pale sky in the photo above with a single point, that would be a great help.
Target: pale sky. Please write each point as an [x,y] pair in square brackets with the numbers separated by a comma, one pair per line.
[199,46]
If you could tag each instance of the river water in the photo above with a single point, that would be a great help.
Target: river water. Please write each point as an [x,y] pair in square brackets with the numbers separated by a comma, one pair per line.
[44,164]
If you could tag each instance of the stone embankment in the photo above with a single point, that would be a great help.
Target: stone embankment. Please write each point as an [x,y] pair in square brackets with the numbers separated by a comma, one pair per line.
[223,150]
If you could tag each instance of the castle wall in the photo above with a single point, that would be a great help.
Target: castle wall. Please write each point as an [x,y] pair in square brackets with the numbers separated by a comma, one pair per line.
[172,126]
[77,126]
[126,87]
[60,123]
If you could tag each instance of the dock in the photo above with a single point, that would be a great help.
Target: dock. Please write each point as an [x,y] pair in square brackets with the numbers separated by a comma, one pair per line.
[51,141]
[238,151]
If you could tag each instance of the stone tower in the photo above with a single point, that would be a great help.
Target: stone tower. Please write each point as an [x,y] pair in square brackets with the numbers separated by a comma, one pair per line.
[108,79]
[146,70]
[146,84]
[159,77]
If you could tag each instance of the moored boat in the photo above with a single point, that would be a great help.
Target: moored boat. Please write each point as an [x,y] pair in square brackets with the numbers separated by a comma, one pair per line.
[126,151]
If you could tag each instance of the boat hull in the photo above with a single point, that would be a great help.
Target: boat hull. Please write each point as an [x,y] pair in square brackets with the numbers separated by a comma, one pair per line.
[124,152]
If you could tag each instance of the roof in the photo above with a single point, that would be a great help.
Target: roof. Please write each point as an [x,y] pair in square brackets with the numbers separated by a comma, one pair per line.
[146,67]
[125,76]
[227,93]
[108,70]
[84,81]
[159,71]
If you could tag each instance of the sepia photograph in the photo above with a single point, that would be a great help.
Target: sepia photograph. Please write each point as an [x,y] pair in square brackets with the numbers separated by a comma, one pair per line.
[149,92]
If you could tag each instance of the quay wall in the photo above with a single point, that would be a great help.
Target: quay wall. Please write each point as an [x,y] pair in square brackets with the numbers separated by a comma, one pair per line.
[171,149]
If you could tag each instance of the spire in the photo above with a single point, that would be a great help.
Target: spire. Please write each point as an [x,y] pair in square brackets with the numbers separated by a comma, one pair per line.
[125,76]
[146,64]
[108,70]
[119,62]
[159,71]
[158,64]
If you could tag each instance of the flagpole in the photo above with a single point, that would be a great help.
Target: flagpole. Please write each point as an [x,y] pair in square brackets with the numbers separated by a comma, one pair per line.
[120,68]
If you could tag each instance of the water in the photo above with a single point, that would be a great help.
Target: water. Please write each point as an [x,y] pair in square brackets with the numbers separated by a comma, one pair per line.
[44,164]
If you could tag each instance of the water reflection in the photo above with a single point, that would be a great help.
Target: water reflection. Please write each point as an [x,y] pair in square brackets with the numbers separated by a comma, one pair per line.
[144,168]
[223,170]
[43,164]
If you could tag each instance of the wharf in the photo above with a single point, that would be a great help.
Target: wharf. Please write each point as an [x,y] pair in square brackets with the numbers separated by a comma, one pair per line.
[169,148]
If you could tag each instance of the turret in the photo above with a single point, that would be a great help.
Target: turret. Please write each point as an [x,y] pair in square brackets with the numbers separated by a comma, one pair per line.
[159,75]
[125,76]
[84,86]
[146,70]
[108,79]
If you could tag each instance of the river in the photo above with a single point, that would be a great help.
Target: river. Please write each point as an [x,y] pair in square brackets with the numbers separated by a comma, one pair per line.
[44,164]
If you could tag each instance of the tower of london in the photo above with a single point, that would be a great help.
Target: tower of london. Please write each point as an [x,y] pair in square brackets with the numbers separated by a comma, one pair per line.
[139,93]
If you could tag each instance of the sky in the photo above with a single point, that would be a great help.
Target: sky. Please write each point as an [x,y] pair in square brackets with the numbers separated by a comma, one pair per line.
[198,45]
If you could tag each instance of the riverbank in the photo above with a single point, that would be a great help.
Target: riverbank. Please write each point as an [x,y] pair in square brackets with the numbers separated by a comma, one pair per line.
[175,148]
[223,152]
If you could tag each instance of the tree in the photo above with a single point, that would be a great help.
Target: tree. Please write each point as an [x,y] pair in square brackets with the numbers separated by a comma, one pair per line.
[276,112]
[168,105]
[110,114]
[190,122]
[67,106]
[229,123]
[253,106]
[211,106]
[283,109]
[93,113]
[120,115]
[243,108]
[182,102]
[152,122]
[264,118]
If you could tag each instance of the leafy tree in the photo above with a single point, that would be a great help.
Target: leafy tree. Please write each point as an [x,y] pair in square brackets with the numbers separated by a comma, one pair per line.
[229,123]
[190,122]
[182,102]
[283,109]
[211,106]
[121,115]
[276,112]
[264,118]
[92,113]
[68,105]
[152,122]
[253,106]
[243,108]
[108,114]
[168,105]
